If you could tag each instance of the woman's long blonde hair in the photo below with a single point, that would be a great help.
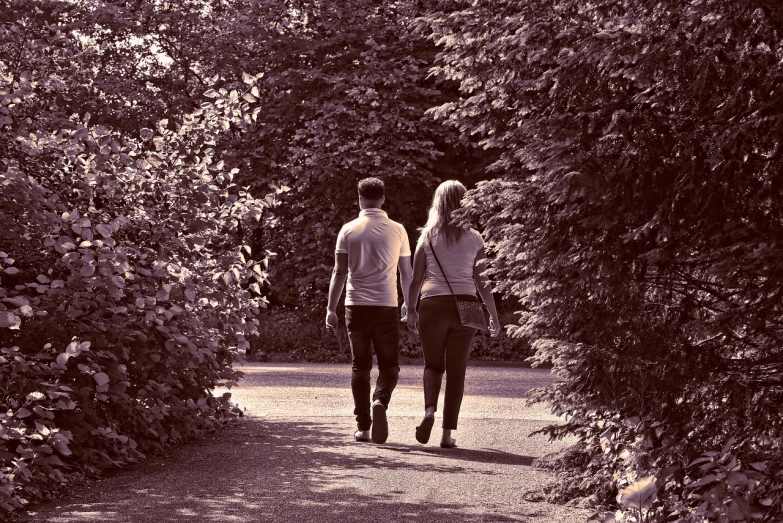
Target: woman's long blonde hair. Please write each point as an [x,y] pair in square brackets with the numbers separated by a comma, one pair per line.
[447,199]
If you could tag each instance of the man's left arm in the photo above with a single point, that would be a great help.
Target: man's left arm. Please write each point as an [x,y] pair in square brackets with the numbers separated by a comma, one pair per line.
[406,272]
[339,275]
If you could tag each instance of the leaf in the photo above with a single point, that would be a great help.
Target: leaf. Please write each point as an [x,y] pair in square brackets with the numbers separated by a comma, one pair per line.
[9,320]
[59,442]
[11,270]
[17,301]
[101,378]
[23,413]
[736,479]
[248,79]
[706,480]
[739,509]
[53,461]
[146,134]
[641,494]
[104,230]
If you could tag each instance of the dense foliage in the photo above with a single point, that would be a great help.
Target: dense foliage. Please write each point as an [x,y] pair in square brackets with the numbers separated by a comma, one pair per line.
[345,89]
[637,216]
[297,335]
[126,284]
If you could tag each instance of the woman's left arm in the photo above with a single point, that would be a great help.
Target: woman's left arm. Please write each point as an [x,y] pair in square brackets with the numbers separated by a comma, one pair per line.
[485,290]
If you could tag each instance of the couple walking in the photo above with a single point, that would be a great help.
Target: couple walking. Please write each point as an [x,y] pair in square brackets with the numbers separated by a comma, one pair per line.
[447,265]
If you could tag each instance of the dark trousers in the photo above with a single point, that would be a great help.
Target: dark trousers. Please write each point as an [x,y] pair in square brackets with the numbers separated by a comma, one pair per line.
[371,327]
[446,344]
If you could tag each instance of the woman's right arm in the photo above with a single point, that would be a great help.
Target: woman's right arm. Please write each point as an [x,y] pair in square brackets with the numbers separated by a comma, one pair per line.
[419,266]
[485,290]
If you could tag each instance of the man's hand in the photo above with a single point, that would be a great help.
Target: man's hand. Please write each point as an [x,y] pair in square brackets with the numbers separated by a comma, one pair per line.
[404,312]
[413,322]
[331,319]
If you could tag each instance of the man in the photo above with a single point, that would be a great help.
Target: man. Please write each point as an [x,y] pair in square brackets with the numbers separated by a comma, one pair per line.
[369,251]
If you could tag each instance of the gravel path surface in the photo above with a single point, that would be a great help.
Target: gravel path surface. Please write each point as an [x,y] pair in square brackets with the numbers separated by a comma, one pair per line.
[292,459]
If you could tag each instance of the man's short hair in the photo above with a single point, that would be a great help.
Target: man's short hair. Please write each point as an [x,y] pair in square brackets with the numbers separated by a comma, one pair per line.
[371,189]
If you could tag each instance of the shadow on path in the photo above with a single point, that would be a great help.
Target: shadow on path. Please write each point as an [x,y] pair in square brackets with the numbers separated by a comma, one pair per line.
[498,457]
[262,470]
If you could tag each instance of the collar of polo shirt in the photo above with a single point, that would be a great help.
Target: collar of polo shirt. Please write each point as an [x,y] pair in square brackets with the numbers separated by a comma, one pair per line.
[372,212]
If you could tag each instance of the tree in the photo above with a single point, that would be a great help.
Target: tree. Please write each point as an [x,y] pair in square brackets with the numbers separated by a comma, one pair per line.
[636,215]
[127,290]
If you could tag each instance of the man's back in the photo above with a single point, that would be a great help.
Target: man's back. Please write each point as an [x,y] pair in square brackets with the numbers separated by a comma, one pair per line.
[374,245]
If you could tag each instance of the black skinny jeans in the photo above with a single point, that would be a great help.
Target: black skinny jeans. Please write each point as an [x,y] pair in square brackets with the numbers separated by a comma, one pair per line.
[446,344]
[372,327]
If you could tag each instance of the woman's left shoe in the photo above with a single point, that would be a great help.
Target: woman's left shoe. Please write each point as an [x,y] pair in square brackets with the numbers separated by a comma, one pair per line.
[450,444]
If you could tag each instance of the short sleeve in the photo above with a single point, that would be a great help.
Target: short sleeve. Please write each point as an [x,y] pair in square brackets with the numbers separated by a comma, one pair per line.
[405,246]
[342,243]
[478,241]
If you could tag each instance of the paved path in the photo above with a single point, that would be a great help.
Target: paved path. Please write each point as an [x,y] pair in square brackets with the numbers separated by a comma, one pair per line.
[292,459]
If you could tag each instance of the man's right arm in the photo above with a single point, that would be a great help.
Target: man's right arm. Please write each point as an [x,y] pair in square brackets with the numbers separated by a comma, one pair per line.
[339,275]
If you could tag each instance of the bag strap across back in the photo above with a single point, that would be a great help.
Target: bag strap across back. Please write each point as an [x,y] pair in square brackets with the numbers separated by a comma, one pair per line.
[434,254]
[432,248]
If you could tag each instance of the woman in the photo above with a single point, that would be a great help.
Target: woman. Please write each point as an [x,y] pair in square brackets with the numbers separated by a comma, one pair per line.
[445,342]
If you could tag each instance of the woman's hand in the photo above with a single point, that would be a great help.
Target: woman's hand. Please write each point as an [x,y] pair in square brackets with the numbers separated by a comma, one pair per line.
[494,327]
[413,321]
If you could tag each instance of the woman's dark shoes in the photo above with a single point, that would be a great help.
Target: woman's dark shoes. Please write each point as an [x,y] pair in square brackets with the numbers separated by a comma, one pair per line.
[380,425]
[361,435]
[424,430]
[449,444]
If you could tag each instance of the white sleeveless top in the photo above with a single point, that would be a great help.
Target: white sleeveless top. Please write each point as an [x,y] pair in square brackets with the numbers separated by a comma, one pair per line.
[457,261]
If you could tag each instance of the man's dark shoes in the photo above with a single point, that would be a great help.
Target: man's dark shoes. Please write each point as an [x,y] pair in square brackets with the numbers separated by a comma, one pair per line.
[424,429]
[380,425]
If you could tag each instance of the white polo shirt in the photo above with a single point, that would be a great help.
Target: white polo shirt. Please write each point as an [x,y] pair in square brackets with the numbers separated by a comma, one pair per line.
[374,245]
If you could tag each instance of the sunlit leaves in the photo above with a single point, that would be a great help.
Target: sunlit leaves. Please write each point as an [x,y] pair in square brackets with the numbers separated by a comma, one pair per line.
[106,214]
[640,495]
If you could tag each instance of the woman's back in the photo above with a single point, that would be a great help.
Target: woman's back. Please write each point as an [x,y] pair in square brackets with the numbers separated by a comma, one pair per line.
[457,261]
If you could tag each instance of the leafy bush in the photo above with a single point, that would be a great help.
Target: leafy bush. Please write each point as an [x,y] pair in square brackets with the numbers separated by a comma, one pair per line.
[126,291]
[636,216]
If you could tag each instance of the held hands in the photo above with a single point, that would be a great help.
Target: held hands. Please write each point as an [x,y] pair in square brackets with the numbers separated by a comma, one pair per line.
[331,319]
